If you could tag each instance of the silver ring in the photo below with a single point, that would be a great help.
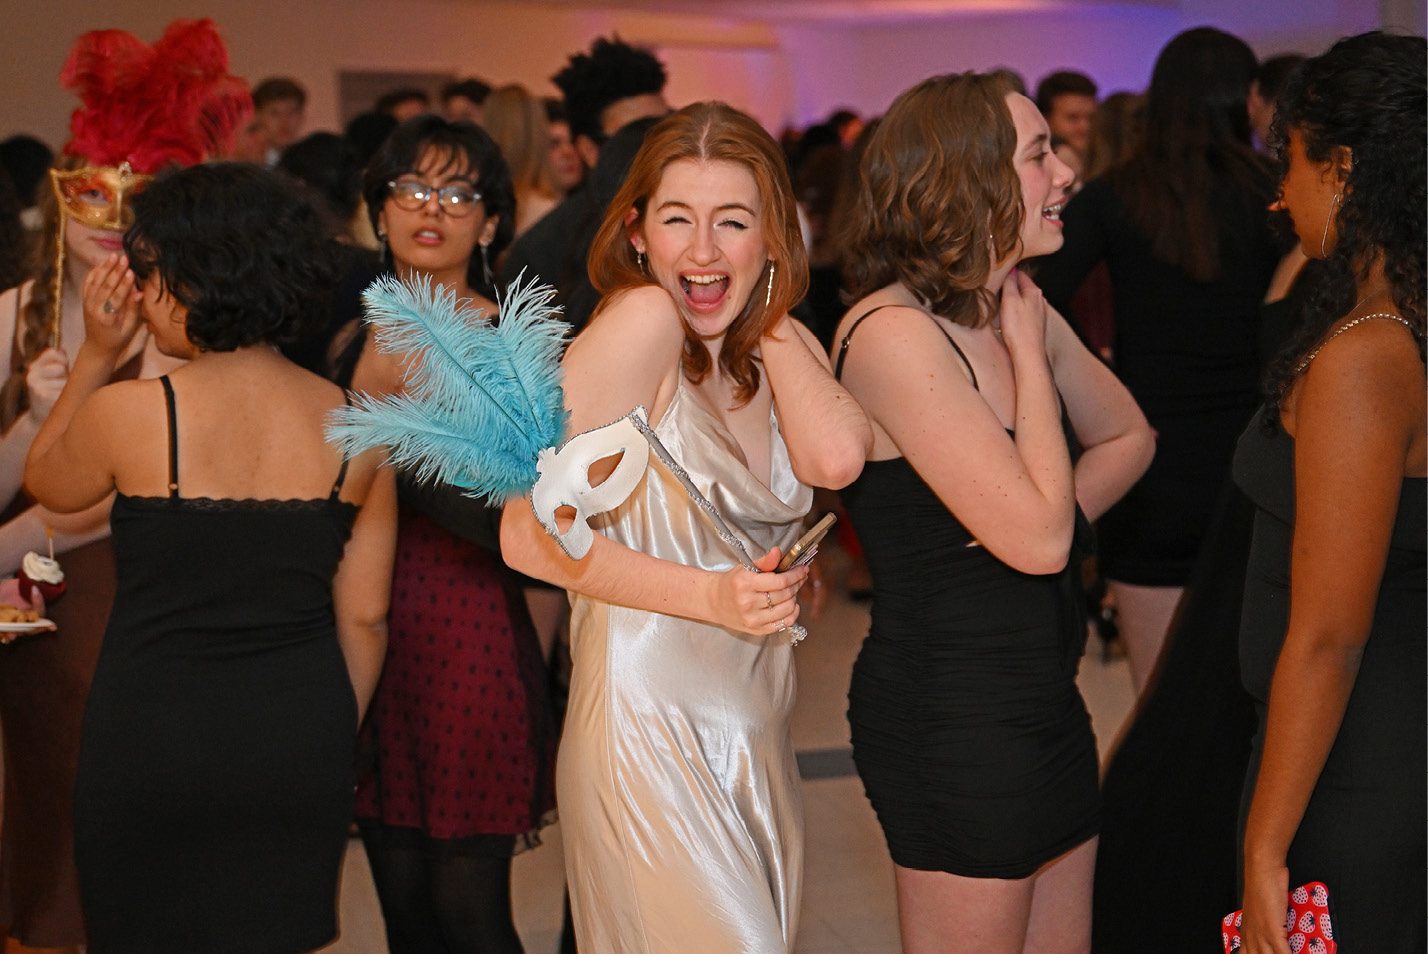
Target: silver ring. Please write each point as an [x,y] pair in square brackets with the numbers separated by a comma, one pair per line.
[768,599]
[109,308]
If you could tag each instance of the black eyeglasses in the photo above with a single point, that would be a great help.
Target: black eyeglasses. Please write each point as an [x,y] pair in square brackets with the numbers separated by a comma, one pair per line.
[457,198]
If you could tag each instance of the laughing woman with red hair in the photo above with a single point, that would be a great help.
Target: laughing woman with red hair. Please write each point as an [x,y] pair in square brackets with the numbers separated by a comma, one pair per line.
[678,791]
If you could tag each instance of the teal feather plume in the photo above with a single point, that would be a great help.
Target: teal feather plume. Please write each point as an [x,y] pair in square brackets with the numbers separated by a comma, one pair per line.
[482,398]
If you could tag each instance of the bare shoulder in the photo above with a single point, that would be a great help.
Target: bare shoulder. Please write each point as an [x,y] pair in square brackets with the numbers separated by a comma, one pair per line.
[1368,378]
[1378,359]
[126,399]
[125,418]
[644,318]
[879,329]
[629,355]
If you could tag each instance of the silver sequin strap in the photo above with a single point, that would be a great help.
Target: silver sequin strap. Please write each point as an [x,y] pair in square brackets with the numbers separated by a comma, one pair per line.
[1357,321]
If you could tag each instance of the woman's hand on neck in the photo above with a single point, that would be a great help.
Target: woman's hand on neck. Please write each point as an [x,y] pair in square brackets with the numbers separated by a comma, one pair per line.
[998,276]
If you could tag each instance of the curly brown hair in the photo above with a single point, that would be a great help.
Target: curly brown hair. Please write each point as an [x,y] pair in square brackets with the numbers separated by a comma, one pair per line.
[939,202]
[710,132]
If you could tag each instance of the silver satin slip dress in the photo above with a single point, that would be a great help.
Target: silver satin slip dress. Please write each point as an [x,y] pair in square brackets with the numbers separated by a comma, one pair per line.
[679,796]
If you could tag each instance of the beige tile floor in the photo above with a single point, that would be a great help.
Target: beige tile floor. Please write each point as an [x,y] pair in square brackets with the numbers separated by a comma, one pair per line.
[848,901]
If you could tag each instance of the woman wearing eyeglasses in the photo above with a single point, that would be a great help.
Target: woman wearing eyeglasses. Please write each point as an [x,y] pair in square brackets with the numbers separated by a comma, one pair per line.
[461,726]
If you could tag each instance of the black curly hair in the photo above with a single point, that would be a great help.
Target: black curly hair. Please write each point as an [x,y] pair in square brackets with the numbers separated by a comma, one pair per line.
[241,247]
[1367,93]
[466,148]
[612,70]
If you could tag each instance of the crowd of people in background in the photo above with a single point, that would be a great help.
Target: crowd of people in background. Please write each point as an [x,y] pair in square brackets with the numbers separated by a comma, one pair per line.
[1147,364]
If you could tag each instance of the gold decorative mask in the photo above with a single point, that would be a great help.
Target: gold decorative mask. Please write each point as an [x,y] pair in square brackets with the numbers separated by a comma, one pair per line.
[97,195]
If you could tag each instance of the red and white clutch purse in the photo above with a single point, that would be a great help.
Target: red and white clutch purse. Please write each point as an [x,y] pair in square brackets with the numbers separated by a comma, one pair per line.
[1307,923]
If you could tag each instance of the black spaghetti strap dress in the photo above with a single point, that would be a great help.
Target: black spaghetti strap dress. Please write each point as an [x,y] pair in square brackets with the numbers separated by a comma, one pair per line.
[215,775]
[970,735]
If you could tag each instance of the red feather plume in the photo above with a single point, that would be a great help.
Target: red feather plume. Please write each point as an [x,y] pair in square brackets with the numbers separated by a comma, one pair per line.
[152,106]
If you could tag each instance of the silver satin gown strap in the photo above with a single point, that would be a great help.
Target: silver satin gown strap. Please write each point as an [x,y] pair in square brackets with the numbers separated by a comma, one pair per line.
[679,795]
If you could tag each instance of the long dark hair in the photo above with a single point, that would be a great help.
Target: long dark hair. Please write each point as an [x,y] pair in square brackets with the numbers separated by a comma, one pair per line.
[1195,157]
[1367,93]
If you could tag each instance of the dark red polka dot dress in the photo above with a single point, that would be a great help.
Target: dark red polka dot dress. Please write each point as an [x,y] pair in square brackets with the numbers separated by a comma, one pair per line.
[461,722]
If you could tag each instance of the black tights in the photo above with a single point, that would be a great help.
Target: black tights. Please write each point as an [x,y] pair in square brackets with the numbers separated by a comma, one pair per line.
[455,905]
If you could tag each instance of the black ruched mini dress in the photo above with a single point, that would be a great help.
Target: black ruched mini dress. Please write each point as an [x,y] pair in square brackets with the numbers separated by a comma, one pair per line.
[970,735]
[215,776]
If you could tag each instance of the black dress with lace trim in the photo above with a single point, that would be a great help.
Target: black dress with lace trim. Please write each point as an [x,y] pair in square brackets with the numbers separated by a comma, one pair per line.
[215,778]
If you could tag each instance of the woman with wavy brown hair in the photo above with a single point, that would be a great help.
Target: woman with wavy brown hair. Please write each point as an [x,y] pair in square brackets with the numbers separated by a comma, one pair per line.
[678,790]
[972,741]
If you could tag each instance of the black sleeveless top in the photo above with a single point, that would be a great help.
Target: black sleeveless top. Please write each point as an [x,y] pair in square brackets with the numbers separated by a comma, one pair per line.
[218,741]
[890,504]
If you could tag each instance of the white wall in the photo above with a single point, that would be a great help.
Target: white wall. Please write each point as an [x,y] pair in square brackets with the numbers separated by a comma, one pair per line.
[1116,46]
[780,73]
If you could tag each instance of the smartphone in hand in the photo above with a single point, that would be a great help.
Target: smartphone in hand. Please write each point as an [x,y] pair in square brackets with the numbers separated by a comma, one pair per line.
[806,548]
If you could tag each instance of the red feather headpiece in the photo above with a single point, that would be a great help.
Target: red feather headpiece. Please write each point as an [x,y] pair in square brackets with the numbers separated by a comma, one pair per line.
[150,106]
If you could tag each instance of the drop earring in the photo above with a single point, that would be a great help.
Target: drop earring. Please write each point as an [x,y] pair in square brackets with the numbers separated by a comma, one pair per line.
[486,268]
[768,295]
[640,260]
[382,249]
[1324,239]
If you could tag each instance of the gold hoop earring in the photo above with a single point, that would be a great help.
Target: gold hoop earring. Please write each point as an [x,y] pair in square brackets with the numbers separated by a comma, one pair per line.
[768,295]
[1324,239]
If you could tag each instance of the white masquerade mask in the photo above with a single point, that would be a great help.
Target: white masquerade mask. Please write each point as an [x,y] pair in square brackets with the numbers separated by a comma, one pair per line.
[564,479]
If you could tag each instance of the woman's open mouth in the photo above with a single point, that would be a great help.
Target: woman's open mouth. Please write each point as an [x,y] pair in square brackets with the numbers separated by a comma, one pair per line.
[704,292]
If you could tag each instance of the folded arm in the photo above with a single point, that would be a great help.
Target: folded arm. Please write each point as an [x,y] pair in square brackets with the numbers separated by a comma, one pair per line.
[1117,443]
[630,356]
[827,433]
